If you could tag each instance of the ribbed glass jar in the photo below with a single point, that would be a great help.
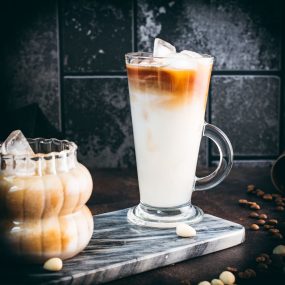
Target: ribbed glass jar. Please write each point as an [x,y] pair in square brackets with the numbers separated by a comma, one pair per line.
[42,201]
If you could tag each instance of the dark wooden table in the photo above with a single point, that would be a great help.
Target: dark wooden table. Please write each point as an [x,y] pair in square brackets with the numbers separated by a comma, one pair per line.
[118,189]
[114,190]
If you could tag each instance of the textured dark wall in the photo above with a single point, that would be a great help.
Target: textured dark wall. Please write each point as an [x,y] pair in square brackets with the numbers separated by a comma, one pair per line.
[68,57]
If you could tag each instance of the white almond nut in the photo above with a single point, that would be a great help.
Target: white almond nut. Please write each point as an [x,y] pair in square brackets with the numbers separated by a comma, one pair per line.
[184,230]
[279,249]
[53,264]
[204,283]
[217,282]
[227,277]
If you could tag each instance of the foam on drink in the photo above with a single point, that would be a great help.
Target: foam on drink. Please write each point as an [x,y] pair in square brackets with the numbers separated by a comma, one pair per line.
[168,96]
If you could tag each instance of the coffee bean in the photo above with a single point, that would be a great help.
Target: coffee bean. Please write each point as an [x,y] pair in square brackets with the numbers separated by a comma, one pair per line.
[260,222]
[254,227]
[232,269]
[267,197]
[272,222]
[268,227]
[254,215]
[265,255]
[267,258]
[273,231]
[277,236]
[242,202]
[263,216]
[255,206]
[278,200]
[280,203]
[247,274]
[242,275]
[276,196]
[260,259]
[279,208]
[259,193]
[251,187]
[250,272]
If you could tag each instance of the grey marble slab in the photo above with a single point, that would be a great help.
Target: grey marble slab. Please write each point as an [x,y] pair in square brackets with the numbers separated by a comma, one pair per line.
[119,249]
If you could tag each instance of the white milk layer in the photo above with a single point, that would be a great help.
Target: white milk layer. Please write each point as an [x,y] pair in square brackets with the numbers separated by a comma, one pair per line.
[167,143]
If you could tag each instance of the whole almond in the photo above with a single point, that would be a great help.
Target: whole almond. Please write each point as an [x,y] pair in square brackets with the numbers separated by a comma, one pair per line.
[184,230]
[53,264]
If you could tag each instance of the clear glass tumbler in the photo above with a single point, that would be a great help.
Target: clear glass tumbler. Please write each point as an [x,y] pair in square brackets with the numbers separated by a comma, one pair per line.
[168,108]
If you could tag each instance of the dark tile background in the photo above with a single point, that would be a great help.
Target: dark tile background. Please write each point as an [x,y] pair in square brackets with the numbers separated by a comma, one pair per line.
[68,57]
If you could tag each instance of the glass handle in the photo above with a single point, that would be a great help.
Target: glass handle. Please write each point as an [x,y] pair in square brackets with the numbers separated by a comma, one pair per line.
[226,158]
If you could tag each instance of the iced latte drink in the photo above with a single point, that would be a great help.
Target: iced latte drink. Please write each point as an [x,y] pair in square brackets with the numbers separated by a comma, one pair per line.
[168,96]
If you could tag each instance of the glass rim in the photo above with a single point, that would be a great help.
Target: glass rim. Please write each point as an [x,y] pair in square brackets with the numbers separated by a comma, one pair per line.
[72,147]
[148,55]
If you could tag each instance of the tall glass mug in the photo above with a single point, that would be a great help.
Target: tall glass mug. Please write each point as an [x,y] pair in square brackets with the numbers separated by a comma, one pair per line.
[168,108]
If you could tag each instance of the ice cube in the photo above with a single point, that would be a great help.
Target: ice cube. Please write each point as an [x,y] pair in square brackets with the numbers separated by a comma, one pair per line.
[181,61]
[16,144]
[162,48]
[191,53]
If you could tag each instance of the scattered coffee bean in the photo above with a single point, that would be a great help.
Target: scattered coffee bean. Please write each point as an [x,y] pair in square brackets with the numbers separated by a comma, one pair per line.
[272,222]
[277,236]
[231,269]
[254,215]
[255,207]
[278,200]
[267,258]
[268,227]
[276,196]
[260,193]
[251,187]
[241,275]
[254,227]
[260,222]
[280,203]
[273,231]
[263,216]
[250,272]
[279,208]
[260,259]
[265,255]
[243,202]
[267,197]
[247,274]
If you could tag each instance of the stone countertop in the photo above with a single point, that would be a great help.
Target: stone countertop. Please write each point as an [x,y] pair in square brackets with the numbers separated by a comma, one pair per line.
[118,189]
[114,190]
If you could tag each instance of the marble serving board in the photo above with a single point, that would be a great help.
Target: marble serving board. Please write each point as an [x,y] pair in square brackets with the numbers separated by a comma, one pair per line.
[119,249]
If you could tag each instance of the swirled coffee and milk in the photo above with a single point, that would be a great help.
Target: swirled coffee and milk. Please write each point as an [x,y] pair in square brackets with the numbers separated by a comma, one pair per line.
[168,96]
